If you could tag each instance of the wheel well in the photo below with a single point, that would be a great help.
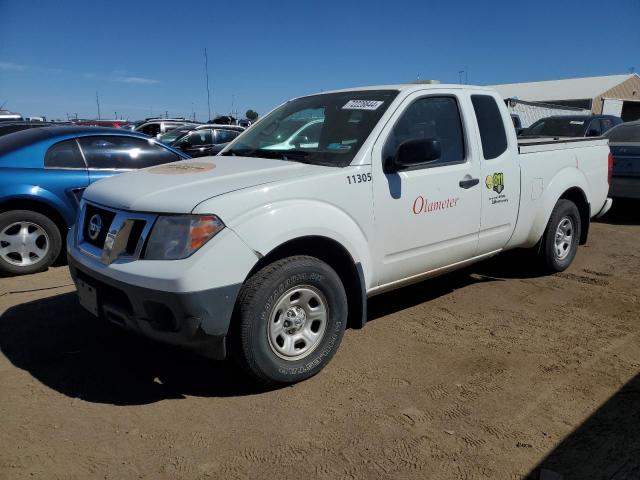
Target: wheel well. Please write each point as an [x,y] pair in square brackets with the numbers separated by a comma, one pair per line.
[40,207]
[577,196]
[338,258]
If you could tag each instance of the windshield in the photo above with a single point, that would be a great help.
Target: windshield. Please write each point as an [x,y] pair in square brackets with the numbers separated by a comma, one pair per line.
[172,135]
[326,129]
[557,127]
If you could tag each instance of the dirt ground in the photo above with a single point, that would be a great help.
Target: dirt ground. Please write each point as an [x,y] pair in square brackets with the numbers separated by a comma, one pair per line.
[492,372]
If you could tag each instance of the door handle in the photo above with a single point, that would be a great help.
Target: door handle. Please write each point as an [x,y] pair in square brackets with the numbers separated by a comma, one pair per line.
[471,182]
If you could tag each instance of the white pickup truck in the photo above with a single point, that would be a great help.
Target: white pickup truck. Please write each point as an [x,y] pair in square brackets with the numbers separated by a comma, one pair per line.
[271,249]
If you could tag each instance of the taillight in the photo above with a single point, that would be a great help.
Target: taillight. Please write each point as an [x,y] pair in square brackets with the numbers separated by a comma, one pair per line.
[610,168]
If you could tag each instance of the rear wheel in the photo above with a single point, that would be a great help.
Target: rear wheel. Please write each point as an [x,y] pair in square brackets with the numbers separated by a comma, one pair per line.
[291,318]
[29,242]
[561,237]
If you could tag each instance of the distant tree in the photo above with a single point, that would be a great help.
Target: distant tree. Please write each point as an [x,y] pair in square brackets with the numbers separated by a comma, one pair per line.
[252,115]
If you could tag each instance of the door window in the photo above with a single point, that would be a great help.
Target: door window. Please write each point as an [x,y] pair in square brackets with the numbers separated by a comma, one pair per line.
[197,138]
[224,136]
[436,118]
[594,129]
[491,125]
[121,152]
[151,129]
[64,155]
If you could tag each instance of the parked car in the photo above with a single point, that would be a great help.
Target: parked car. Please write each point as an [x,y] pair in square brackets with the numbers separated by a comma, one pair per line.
[624,142]
[7,116]
[103,123]
[10,127]
[571,126]
[156,127]
[43,172]
[202,140]
[307,136]
[270,253]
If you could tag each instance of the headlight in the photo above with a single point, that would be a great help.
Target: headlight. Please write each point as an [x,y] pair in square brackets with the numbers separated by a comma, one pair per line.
[178,236]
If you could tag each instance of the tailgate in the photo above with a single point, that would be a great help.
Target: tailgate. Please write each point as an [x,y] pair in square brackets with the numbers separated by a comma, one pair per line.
[626,159]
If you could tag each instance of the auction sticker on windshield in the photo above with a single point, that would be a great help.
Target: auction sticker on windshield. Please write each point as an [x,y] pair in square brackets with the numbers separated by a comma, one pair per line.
[180,168]
[362,104]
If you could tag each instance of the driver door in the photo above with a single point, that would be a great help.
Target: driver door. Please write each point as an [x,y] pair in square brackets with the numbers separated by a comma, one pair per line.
[427,217]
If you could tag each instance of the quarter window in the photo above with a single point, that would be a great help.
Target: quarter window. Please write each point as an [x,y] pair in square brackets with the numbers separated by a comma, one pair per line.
[491,125]
[121,152]
[64,155]
[437,118]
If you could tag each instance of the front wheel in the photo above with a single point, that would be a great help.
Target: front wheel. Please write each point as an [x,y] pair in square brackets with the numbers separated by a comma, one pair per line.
[292,316]
[561,237]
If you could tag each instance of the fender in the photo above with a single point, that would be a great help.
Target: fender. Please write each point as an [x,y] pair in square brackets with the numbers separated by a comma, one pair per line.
[565,179]
[35,193]
[261,228]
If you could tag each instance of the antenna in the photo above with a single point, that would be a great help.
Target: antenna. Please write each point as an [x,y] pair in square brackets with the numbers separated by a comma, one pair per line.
[3,104]
[98,103]
[206,70]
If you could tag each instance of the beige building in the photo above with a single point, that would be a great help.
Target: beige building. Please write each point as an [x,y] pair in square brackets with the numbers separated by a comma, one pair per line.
[611,94]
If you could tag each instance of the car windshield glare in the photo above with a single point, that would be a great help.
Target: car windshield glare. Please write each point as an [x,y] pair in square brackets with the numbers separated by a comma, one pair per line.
[326,129]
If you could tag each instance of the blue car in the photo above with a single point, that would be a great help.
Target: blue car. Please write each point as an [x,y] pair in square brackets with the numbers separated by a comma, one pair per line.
[43,172]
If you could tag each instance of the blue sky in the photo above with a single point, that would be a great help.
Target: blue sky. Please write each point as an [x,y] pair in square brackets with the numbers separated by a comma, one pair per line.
[147,57]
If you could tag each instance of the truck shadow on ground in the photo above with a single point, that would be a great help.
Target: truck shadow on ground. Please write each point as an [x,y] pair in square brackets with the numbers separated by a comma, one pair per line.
[606,445]
[79,356]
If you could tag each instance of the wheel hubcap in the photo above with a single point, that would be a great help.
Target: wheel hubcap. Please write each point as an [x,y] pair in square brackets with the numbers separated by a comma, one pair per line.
[23,244]
[564,238]
[297,322]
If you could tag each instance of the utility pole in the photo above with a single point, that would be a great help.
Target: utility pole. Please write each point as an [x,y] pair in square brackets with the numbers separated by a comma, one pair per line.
[206,70]
[98,103]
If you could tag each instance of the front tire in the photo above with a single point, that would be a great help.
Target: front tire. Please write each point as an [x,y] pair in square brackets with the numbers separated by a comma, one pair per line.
[561,237]
[291,318]
[29,242]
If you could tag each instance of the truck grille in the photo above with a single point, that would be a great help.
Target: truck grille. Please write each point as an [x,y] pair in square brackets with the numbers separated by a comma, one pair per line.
[112,234]
[97,222]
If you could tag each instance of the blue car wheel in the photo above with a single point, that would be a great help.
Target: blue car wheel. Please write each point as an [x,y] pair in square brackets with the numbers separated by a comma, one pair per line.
[29,242]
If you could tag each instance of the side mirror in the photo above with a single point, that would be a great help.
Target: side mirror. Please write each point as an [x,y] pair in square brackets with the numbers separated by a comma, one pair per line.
[414,153]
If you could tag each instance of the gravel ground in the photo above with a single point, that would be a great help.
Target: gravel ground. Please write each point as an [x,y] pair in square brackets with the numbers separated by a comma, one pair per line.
[492,372]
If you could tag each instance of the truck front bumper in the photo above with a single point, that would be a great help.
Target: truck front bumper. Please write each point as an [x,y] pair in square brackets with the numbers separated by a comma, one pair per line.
[194,320]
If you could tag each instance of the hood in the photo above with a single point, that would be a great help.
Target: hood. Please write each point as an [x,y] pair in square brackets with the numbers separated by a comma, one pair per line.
[178,187]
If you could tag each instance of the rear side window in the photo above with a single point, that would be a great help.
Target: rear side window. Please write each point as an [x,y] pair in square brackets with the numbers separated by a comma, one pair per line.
[64,154]
[492,133]
[120,152]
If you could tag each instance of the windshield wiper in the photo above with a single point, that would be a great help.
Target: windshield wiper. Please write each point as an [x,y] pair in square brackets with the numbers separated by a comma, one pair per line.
[291,155]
